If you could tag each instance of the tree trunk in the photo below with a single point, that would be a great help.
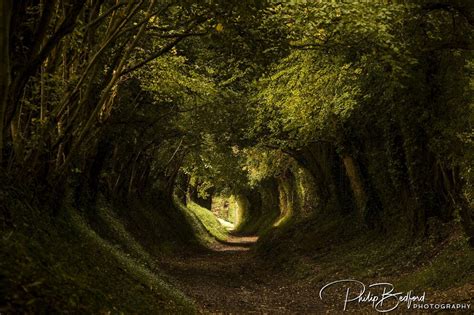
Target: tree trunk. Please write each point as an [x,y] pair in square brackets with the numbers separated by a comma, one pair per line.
[6,7]
[357,184]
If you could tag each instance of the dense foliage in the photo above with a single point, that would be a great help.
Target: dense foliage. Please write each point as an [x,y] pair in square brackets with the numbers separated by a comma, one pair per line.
[296,109]
[372,98]
[315,119]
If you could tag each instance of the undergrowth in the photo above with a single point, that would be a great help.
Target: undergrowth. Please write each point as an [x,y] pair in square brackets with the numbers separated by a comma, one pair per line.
[327,250]
[204,222]
[63,265]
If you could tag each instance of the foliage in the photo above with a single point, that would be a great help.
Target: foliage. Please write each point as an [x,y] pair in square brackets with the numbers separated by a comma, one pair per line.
[318,115]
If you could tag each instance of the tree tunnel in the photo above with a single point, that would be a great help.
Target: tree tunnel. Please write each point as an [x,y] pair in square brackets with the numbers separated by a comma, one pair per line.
[304,188]
[137,134]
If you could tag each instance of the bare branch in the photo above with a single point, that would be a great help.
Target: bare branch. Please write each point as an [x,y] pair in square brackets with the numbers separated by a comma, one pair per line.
[104,15]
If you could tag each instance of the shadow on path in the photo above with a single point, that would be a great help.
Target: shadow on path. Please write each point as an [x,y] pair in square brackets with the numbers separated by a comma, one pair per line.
[228,279]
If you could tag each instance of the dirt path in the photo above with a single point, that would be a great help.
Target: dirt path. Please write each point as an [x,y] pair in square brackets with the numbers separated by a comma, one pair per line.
[226,279]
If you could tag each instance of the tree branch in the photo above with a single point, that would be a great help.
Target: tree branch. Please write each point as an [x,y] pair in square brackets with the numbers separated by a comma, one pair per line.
[450,7]
[166,48]
[104,15]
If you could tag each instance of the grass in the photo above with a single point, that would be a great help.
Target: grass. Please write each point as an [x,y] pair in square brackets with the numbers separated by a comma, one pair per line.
[339,252]
[454,265]
[65,266]
[204,222]
[71,265]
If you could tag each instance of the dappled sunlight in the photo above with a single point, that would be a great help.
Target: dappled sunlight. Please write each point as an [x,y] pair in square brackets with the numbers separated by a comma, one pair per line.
[278,222]
[226,209]
[235,244]
[246,152]
[226,238]
[229,226]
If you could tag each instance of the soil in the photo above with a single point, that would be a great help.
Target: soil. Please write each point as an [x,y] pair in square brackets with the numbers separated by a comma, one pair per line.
[228,279]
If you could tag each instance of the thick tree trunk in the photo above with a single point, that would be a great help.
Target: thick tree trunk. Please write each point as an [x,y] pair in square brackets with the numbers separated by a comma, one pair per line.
[6,7]
[289,202]
[357,184]
[467,218]
[181,185]
[326,167]
[420,177]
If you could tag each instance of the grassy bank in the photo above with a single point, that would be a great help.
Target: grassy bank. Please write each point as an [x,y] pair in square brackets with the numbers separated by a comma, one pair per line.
[68,264]
[442,264]
[204,222]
